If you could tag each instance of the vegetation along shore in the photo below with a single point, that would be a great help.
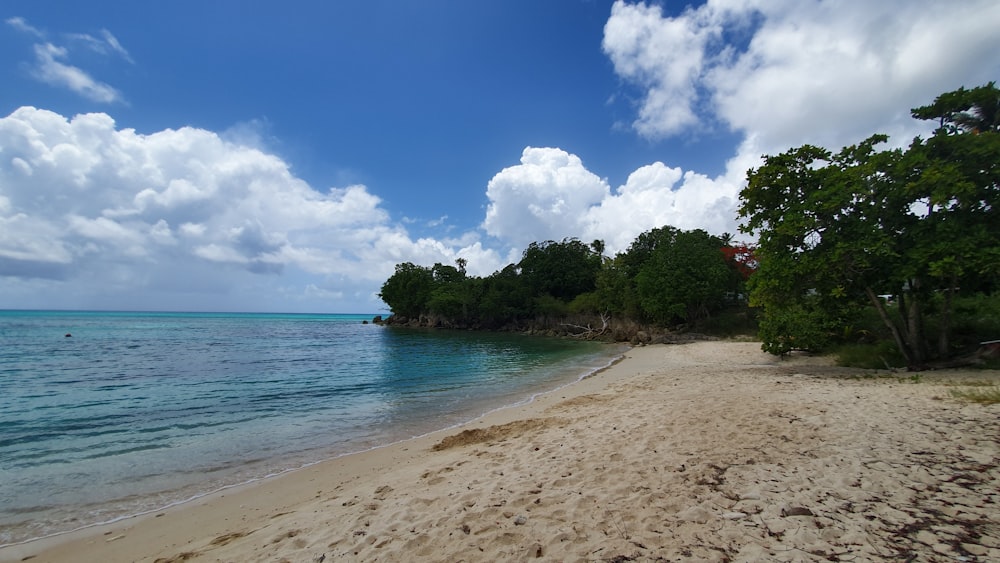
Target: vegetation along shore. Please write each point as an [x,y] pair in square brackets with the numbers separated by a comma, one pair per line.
[888,257]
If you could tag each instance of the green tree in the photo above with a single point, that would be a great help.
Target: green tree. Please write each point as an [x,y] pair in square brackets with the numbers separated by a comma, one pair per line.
[560,269]
[408,290]
[684,278]
[503,297]
[449,296]
[970,111]
[616,290]
[914,224]
[643,247]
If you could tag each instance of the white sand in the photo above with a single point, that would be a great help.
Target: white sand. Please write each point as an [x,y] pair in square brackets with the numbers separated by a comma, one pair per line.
[710,451]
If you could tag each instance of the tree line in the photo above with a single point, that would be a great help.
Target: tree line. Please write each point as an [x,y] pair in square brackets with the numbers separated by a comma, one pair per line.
[905,233]
[666,277]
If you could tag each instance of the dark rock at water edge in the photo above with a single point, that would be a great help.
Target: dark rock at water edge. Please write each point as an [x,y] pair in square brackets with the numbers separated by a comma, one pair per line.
[628,331]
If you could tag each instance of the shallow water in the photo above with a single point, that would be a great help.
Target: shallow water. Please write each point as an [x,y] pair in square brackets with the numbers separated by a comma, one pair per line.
[136,411]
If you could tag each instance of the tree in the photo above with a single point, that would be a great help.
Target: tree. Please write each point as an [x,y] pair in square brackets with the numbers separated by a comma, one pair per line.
[914,224]
[560,269]
[970,111]
[685,277]
[616,290]
[449,296]
[819,237]
[503,297]
[741,257]
[408,290]
[642,248]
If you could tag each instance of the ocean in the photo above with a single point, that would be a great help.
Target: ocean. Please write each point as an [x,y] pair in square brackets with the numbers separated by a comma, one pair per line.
[104,415]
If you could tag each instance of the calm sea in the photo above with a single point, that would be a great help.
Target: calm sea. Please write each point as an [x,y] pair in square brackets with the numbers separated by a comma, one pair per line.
[137,411]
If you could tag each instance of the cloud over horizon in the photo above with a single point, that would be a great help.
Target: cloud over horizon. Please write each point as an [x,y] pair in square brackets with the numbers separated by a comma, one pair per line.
[79,195]
[97,216]
[551,195]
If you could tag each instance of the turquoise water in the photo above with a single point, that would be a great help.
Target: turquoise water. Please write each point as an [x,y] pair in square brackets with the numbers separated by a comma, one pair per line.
[137,411]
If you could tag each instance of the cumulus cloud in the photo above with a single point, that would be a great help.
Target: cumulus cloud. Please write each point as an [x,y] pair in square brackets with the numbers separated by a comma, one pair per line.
[657,195]
[781,74]
[542,198]
[183,210]
[788,72]
[832,73]
[206,217]
[550,195]
[664,57]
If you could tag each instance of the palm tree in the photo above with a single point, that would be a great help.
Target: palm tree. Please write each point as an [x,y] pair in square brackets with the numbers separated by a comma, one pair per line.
[965,111]
[984,113]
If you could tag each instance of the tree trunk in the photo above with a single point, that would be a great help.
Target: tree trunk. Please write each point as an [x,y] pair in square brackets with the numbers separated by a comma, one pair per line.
[918,344]
[884,315]
[944,337]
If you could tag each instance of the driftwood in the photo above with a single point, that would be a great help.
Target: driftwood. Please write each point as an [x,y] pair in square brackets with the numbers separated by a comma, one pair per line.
[588,332]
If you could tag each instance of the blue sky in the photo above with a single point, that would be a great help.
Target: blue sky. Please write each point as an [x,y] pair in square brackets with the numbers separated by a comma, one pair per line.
[285,156]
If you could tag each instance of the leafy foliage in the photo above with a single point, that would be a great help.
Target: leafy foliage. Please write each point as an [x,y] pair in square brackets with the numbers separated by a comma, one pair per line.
[561,270]
[667,276]
[799,326]
[916,225]
[409,289]
[684,277]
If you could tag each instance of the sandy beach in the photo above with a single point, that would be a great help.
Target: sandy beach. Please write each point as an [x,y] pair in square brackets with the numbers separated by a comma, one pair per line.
[710,451]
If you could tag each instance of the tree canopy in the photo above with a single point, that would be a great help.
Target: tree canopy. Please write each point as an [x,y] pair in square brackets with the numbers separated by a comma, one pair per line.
[908,226]
[667,276]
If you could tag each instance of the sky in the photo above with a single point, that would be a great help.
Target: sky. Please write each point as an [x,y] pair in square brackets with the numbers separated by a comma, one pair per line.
[241,155]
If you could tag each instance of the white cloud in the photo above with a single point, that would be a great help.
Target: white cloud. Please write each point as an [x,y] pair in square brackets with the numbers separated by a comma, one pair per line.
[51,69]
[115,45]
[31,240]
[826,73]
[52,66]
[107,44]
[21,24]
[552,196]
[542,198]
[823,72]
[664,57]
[215,253]
[657,195]
[832,73]
[184,213]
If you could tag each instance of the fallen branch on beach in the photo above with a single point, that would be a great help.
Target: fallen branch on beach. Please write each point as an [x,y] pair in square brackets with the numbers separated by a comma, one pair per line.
[588,331]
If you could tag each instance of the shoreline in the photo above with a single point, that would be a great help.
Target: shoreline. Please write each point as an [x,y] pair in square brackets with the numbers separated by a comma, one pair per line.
[63,546]
[710,450]
[448,423]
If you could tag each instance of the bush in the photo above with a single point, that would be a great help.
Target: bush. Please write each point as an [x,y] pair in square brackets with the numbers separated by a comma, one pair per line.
[793,327]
